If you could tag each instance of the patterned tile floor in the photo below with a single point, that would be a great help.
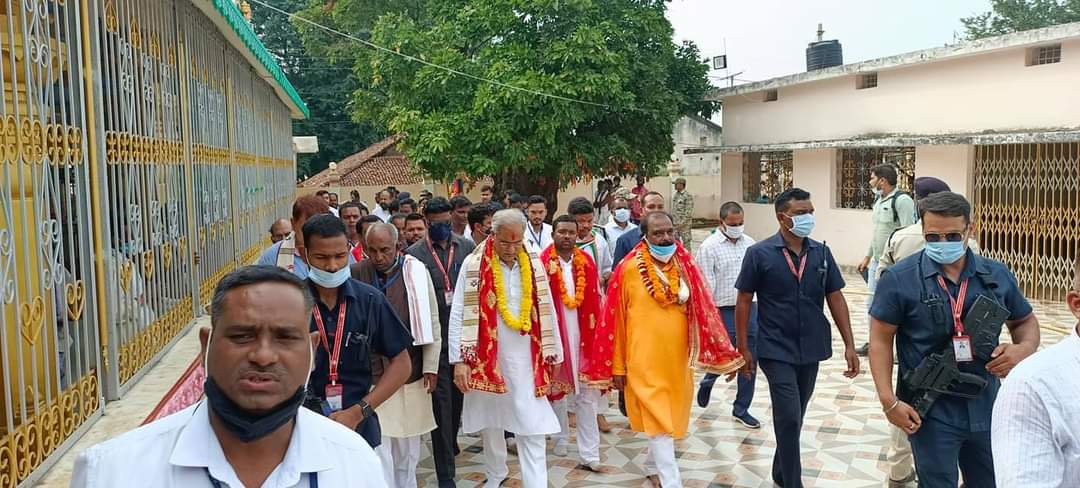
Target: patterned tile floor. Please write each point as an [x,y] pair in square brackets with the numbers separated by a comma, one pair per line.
[843,443]
[844,440]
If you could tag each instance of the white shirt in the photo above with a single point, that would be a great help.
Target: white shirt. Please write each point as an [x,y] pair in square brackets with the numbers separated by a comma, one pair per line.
[380,213]
[614,232]
[720,261]
[518,410]
[334,211]
[538,241]
[1035,434]
[178,450]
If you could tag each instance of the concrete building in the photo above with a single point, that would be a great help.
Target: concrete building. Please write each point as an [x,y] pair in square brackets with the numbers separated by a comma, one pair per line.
[998,119]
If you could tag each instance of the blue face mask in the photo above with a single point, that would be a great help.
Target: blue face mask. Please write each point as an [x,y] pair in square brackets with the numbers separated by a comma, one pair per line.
[802,225]
[945,252]
[327,279]
[622,215]
[663,253]
[440,231]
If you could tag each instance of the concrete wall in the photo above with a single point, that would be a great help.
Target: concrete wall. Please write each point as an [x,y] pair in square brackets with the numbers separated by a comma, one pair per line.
[847,231]
[987,92]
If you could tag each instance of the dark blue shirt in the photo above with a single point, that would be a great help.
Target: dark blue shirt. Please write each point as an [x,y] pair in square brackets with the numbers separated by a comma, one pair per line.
[625,244]
[371,325]
[899,300]
[791,314]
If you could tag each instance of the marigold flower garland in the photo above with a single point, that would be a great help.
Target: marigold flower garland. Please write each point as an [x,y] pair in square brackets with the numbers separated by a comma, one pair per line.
[669,293]
[554,267]
[523,323]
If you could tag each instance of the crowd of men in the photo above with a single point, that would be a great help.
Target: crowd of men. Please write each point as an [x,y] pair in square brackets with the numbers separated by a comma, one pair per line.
[443,316]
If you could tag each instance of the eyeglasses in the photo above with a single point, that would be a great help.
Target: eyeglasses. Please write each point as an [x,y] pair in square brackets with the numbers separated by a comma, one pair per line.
[945,236]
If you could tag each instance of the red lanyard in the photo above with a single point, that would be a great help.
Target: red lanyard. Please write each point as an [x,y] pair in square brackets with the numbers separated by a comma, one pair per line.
[340,332]
[438,262]
[791,265]
[957,303]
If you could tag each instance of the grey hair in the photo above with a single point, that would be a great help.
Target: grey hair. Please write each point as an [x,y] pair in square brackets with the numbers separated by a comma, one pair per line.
[390,228]
[253,275]
[510,216]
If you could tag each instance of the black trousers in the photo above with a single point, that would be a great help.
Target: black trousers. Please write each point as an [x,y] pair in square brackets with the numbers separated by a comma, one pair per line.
[790,387]
[446,403]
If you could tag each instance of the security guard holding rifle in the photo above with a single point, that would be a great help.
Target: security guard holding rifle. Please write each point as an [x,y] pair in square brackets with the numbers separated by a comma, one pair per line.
[945,307]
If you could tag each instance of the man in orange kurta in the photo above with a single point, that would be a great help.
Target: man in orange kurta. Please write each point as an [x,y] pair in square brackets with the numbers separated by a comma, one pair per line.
[665,323]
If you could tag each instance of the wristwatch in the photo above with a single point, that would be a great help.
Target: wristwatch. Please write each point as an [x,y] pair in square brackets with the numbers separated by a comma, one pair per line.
[366,409]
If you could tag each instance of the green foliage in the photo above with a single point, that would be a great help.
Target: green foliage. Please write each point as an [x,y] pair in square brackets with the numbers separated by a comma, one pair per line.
[324,86]
[1009,16]
[618,54]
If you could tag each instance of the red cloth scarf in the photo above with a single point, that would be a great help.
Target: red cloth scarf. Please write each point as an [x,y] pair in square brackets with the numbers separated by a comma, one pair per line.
[710,348]
[483,359]
[597,338]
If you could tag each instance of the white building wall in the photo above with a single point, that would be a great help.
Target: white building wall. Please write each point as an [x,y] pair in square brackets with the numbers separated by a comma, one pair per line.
[992,91]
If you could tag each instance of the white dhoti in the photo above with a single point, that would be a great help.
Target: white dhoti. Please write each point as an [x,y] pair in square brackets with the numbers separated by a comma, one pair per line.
[399,457]
[660,460]
[403,418]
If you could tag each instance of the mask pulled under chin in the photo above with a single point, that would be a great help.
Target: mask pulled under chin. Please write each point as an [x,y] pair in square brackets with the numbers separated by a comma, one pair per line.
[327,279]
[247,426]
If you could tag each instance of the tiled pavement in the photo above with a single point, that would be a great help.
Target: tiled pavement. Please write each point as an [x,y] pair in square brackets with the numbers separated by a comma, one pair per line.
[843,442]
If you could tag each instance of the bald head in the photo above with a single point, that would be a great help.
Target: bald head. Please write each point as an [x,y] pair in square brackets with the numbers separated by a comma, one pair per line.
[280,229]
[380,244]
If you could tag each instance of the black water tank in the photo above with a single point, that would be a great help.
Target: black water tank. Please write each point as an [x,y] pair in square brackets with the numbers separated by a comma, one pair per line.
[824,54]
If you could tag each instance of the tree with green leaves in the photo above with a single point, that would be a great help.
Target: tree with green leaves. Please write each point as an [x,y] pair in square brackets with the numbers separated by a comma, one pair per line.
[542,94]
[323,82]
[1009,16]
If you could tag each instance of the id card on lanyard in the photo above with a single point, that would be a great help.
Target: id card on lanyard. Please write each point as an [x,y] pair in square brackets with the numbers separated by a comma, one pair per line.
[961,342]
[798,274]
[448,287]
[334,391]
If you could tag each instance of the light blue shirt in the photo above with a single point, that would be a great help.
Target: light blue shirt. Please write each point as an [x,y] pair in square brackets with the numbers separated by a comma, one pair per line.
[300,268]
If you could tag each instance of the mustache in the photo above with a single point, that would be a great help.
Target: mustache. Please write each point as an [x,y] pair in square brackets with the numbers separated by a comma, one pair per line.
[273,372]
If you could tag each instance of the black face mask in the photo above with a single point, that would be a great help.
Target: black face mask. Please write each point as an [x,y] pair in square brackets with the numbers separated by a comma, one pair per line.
[246,426]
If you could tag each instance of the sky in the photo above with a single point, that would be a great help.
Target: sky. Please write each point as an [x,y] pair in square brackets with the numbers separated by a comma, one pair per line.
[768,38]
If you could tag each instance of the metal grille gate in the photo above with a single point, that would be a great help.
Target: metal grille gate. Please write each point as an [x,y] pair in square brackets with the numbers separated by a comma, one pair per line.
[141,159]
[1027,212]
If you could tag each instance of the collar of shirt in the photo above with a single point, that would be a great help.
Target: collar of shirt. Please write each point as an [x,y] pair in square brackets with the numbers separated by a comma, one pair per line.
[931,268]
[777,240]
[198,447]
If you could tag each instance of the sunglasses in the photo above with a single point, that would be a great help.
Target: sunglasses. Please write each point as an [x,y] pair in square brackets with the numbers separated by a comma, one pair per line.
[946,236]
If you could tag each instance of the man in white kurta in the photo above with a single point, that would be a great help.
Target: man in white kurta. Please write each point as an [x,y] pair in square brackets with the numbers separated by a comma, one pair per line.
[586,401]
[520,410]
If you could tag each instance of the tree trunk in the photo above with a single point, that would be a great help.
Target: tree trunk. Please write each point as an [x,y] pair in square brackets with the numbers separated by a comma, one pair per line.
[530,184]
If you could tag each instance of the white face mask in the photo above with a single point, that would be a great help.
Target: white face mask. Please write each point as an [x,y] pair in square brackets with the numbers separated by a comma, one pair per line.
[327,279]
[734,231]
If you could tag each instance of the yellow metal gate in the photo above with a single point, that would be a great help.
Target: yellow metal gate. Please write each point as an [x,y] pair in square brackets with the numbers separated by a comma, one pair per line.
[1027,212]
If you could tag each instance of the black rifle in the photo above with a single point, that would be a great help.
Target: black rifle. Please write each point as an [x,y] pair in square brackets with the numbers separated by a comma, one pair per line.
[938,373]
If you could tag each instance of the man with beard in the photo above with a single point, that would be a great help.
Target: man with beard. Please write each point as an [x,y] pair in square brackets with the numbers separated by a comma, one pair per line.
[350,215]
[250,430]
[665,322]
[384,205]
[505,347]
[587,342]
[443,253]
[407,414]
[354,321]
[538,233]
[415,229]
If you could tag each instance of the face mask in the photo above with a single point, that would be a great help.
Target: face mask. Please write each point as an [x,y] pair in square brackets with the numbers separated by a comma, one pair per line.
[802,225]
[246,426]
[945,252]
[734,231]
[622,215]
[662,253]
[440,231]
[327,279]
[877,192]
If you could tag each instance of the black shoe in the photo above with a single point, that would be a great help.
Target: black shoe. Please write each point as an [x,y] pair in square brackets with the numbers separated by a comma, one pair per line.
[863,350]
[748,421]
[704,392]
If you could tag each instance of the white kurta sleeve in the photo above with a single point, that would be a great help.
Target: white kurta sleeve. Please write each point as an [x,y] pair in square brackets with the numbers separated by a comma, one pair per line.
[457,315]
[432,351]
[83,474]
